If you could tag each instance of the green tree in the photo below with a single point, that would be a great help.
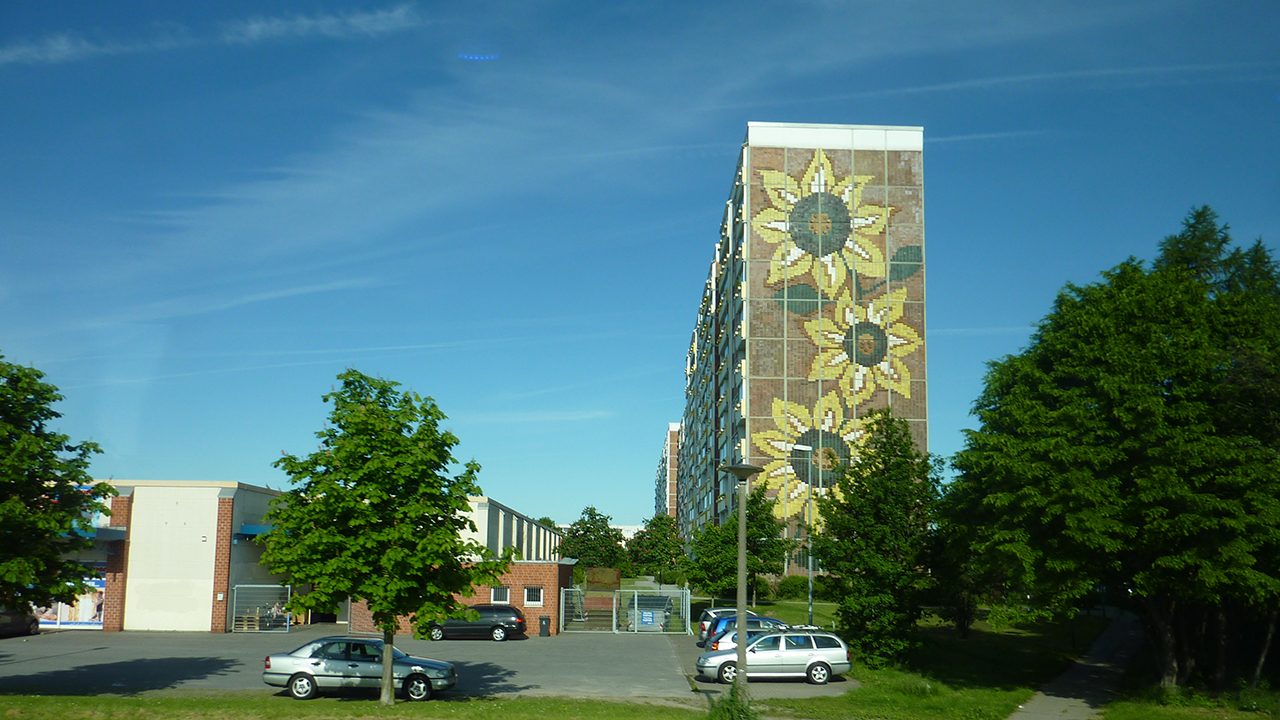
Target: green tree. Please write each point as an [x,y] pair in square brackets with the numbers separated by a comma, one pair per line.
[875,538]
[375,514]
[1127,448]
[656,548]
[47,498]
[712,563]
[547,522]
[593,541]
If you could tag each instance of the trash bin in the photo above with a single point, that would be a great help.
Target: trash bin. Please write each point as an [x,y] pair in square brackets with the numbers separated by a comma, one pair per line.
[544,626]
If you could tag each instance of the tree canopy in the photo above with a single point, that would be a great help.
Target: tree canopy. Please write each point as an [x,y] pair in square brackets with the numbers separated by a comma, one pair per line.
[1133,447]
[875,539]
[656,548]
[376,515]
[593,541]
[712,562]
[47,498]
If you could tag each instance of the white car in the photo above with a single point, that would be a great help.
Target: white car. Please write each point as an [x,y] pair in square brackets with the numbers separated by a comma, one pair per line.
[814,656]
[353,662]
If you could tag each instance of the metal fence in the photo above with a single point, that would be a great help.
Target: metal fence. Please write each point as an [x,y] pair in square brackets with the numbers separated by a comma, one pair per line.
[260,608]
[625,611]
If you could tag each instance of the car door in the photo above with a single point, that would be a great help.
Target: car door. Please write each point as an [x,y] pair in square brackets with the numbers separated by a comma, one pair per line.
[365,665]
[328,664]
[797,651]
[765,656]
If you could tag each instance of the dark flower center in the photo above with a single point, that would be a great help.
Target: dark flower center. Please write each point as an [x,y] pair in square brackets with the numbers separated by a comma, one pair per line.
[866,343]
[820,224]
[818,466]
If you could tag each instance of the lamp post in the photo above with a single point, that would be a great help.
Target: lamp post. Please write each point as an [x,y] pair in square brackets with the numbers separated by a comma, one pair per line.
[743,472]
[808,522]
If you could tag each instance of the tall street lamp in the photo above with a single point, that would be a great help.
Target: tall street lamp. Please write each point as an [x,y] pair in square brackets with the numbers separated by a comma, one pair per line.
[808,521]
[743,472]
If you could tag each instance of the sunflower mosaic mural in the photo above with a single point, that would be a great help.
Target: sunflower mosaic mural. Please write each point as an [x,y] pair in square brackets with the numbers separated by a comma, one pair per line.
[843,237]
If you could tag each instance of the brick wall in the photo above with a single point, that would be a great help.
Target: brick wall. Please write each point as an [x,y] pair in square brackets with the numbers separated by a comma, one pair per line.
[117,569]
[550,576]
[222,566]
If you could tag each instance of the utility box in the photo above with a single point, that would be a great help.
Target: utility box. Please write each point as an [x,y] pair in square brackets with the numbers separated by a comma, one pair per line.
[544,626]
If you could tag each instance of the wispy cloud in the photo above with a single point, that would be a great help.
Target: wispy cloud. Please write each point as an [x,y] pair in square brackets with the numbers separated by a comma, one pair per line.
[203,305]
[344,25]
[68,47]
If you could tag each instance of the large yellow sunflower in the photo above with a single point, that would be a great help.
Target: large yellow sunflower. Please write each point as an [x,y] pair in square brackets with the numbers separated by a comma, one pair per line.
[820,226]
[863,346]
[789,471]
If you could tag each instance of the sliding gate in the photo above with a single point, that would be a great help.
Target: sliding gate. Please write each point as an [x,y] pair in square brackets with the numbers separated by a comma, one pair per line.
[621,611]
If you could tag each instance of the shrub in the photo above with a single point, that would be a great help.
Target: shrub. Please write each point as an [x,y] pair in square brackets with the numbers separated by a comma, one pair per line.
[793,587]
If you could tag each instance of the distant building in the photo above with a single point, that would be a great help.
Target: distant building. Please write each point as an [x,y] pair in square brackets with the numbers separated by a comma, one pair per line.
[181,555]
[812,315]
[664,501]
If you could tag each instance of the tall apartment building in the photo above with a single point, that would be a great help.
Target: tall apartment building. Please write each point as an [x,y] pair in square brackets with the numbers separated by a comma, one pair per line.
[664,492]
[812,315]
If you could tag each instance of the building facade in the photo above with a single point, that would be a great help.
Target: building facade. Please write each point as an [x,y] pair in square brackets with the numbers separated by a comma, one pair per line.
[498,527]
[664,498]
[173,552]
[812,316]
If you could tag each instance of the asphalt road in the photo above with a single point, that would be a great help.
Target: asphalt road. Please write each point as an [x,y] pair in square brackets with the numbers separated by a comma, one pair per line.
[601,665]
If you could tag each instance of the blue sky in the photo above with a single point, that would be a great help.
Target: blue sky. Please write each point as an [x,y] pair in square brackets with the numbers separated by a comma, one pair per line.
[209,210]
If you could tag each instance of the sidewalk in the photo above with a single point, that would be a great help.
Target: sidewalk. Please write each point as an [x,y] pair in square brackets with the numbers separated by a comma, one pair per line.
[1080,692]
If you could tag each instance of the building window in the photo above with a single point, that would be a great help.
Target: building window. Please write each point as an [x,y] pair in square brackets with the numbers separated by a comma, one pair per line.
[533,596]
[500,594]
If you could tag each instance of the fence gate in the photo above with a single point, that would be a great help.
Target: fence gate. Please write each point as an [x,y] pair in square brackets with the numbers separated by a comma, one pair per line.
[633,611]
[260,608]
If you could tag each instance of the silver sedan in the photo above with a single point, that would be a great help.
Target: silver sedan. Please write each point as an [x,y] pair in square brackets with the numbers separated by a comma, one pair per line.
[350,662]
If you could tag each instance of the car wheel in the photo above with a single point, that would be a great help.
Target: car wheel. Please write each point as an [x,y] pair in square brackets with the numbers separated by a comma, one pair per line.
[498,634]
[728,672]
[34,627]
[417,687]
[302,686]
[819,673]
[436,632]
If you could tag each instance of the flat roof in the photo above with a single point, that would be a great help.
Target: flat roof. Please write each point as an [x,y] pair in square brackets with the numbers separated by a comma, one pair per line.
[835,137]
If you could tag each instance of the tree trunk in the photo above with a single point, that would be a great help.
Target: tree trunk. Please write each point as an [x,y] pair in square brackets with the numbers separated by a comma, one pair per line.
[1220,662]
[1266,648]
[388,696]
[1161,613]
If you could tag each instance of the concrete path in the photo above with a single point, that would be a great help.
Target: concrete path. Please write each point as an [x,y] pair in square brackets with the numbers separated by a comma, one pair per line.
[1080,692]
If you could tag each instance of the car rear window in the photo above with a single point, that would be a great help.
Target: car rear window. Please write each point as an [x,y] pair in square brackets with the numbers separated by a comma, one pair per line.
[826,641]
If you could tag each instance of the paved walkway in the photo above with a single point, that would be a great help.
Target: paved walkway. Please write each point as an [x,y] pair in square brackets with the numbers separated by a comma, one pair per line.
[1080,692]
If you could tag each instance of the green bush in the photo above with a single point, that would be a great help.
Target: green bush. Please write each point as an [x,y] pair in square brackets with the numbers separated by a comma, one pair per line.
[793,587]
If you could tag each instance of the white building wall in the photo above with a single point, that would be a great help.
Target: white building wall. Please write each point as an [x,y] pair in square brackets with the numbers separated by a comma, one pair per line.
[171,550]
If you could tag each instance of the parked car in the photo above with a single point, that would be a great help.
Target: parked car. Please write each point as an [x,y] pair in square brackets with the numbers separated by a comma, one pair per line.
[708,618]
[728,639]
[730,622]
[351,662]
[812,655]
[14,621]
[498,622]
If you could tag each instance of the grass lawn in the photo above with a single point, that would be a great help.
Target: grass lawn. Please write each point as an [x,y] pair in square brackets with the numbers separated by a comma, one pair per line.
[257,705]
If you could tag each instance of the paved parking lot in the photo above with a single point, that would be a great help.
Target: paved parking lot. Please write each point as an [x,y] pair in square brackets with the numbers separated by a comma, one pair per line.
[576,664]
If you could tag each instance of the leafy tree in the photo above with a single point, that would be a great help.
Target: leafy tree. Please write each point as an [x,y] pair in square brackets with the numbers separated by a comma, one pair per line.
[875,538]
[656,547]
[47,499]
[593,541]
[374,514]
[712,564]
[1132,446]
[546,521]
